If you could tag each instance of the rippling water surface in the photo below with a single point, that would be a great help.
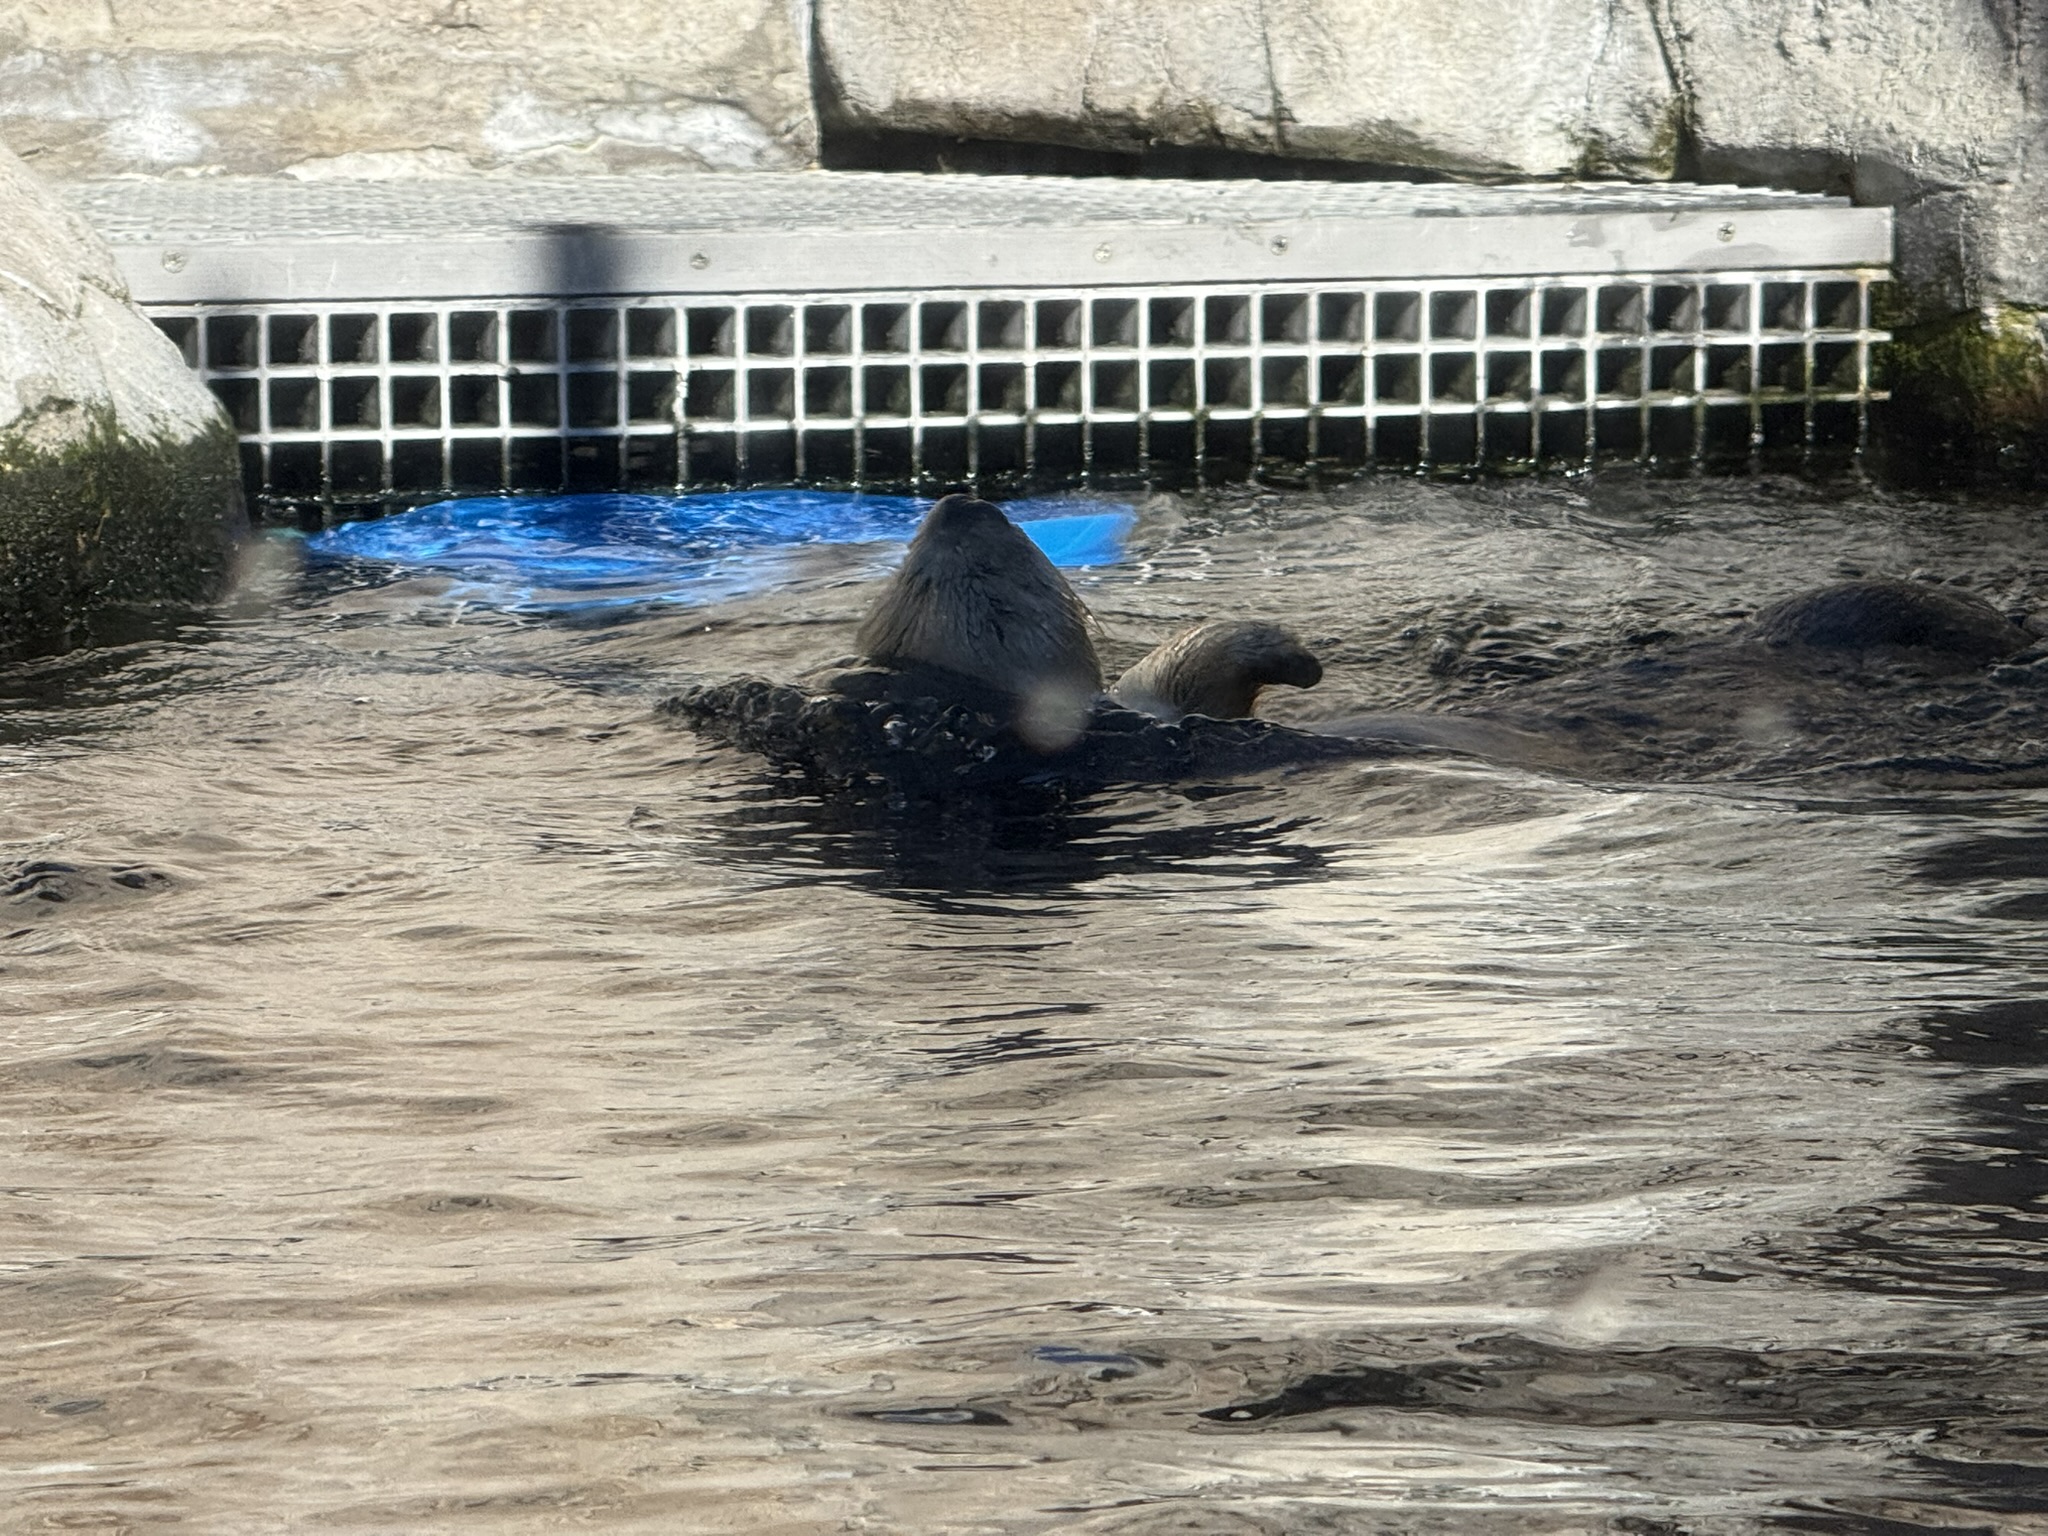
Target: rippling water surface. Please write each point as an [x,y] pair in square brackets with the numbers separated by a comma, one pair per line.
[438,1096]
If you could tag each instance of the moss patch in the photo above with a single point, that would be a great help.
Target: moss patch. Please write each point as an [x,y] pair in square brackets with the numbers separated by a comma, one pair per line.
[1969,396]
[109,527]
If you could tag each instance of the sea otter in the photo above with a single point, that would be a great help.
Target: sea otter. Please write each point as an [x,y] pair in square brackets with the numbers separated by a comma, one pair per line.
[1900,616]
[977,670]
[1217,670]
[976,598]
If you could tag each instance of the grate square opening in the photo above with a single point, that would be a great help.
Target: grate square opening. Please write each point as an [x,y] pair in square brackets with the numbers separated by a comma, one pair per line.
[1505,438]
[593,399]
[1835,424]
[1227,320]
[417,466]
[1834,366]
[593,335]
[711,458]
[1114,322]
[1507,375]
[530,335]
[651,461]
[295,469]
[1453,439]
[473,400]
[352,402]
[294,340]
[943,386]
[1784,307]
[534,463]
[1171,322]
[946,454]
[771,394]
[1563,375]
[1674,307]
[1284,380]
[239,398]
[1563,312]
[1227,383]
[1058,324]
[1507,312]
[1397,317]
[1341,381]
[1170,384]
[1002,325]
[1059,386]
[888,454]
[1561,437]
[295,405]
[651,396]
[1837,307]
[650,332]
[828,330]
[885,391]
[1727,434]
[1454,377]
[1781,368]
[885,328]
[1671,432]
[1727,307]
[1397,440]
[771,457]
[1453,316]
[1116,384]
[710,395]
[1671,369]
[1340,317]
[1619,371]
[828,392]
[829,458]
[411,338]
[534,401]
[473,336]
[1618,433]
[351,339]
[708,332]
[771,331]
[1397,379]
[942,325]
[476,464]
[1000,387]
[183,333]
[356,468]
[1621,309]
[415,402]
[1284,317]
[231,341]
[1729,368]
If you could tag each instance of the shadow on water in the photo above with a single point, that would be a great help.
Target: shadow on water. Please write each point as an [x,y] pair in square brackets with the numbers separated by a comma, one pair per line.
[1023,841]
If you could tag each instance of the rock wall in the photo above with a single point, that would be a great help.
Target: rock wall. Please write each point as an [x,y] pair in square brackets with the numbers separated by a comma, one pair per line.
[119,488]
[404,87]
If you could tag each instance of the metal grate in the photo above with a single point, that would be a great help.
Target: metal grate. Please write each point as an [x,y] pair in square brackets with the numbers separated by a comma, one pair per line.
[1117,385]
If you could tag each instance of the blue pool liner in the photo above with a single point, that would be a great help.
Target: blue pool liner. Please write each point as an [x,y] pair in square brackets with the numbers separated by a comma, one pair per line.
[607,550]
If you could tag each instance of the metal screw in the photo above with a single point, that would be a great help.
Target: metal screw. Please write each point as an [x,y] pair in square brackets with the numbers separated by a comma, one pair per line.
[1279,245]
[700,261]
[1726,232]
[174,261]
[1102,253]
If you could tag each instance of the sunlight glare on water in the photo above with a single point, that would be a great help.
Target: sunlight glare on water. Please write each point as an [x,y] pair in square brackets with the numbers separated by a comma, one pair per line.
[441,1096]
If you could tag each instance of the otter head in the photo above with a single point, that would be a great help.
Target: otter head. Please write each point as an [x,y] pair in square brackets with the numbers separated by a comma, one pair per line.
[975,597]
[1216,670]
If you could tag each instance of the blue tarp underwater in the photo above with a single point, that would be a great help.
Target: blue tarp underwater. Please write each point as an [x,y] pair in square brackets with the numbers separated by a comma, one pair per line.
[568,552]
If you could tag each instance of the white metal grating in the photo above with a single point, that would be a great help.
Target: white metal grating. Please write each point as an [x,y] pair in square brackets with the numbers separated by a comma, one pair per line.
[1114,385]
[393,340]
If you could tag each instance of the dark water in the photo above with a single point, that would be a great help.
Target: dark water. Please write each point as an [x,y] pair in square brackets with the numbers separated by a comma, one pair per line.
[436,1095]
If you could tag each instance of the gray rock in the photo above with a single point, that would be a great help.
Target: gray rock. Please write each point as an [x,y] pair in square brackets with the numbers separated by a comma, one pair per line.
[118,479]
[1538,87]
[405,87]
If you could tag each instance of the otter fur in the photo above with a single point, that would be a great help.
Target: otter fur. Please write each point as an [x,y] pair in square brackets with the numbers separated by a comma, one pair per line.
[1216,670]
[976,598]
[1892,615]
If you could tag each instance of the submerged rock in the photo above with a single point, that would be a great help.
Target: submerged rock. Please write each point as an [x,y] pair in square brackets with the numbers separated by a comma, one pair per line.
[119,484]
[923,733]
